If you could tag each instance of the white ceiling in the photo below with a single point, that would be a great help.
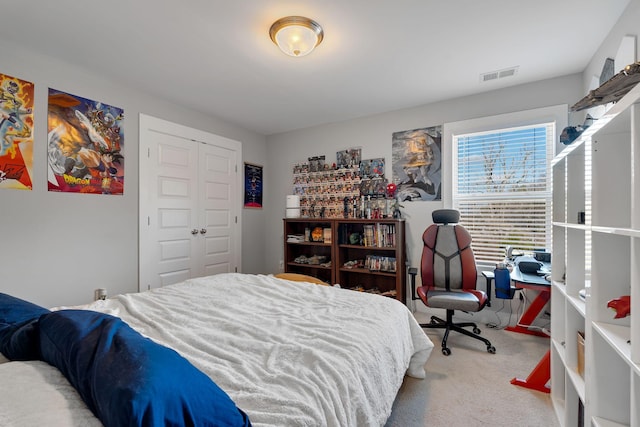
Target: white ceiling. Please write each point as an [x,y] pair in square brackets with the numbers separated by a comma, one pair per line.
[216,56]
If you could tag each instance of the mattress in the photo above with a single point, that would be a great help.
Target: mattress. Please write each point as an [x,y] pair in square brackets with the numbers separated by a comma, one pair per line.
[287,353]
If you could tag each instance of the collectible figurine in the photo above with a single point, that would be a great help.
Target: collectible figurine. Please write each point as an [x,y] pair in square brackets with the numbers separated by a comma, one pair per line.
[621,305]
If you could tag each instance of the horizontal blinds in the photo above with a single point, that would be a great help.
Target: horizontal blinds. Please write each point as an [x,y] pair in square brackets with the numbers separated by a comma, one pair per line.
[502,189]
[503,162]
[494,225]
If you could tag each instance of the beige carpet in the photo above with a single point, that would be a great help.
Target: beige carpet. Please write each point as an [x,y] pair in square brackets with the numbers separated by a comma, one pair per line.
[472,387]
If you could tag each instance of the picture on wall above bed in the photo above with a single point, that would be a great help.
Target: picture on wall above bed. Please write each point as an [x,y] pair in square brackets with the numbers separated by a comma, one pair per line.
[16,138]
[85,145]
[416,163]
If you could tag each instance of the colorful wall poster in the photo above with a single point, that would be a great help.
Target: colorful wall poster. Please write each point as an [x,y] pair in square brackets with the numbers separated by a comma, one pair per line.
[85,143]
[417,170]
[16,133]
[252,186]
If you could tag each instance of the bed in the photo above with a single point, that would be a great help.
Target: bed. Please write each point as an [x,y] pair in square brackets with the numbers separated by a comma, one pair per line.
[286,353]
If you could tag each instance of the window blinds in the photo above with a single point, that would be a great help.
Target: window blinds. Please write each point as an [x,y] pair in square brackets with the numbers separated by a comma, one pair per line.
[502,188]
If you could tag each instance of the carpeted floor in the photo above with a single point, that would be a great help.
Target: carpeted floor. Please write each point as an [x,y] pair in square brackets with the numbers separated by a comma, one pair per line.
[472,387]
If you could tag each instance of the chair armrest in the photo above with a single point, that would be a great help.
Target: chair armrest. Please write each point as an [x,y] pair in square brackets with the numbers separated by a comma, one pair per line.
[489,276]
[413,272]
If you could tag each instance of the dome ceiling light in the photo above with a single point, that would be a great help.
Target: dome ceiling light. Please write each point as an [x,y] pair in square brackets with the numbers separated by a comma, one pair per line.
[296,35]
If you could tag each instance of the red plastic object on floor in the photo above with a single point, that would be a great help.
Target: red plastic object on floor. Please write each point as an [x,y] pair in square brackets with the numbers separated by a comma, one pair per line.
[539,377]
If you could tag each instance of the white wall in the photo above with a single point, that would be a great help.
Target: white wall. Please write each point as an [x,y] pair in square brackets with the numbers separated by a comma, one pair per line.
[373,134]
[56,248]
[628,24]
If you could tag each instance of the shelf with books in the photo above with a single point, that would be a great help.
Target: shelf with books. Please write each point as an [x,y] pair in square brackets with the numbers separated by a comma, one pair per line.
[370,254]
[364,254]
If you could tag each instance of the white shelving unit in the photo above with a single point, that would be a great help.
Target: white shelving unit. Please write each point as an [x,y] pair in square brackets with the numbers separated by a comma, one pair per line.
[598,174]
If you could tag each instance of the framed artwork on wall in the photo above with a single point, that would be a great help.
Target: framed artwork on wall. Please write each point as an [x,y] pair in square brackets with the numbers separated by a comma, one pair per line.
[252,186]
[349,157]
[417,169]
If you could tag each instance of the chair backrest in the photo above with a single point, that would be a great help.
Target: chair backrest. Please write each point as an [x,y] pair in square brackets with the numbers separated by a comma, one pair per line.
[447,258]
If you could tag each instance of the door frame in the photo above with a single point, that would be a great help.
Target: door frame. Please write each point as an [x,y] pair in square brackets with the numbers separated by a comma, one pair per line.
[148,124]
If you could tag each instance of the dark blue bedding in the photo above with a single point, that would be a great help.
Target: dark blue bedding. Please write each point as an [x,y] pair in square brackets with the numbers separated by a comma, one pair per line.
[123,377]
[19,328]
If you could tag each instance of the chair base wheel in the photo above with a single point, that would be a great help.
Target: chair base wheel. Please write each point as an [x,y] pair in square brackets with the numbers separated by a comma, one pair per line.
[449,325]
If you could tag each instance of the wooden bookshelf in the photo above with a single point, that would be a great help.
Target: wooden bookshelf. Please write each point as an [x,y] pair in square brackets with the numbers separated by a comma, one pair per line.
[364,254]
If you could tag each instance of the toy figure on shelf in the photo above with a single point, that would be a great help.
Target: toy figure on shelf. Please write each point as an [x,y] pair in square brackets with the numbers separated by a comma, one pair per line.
[391,190]
[621,305]
[612,90]
[396,209]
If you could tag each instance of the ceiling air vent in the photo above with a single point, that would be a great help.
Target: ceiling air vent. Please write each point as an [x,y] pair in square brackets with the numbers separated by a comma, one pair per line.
[494,75]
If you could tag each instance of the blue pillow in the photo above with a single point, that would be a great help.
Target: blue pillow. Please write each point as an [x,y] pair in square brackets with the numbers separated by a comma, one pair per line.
[19,328]
[129,380]
[20,341]
[15,310]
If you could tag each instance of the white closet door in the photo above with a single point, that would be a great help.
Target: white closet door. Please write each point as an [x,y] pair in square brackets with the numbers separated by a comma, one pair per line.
[189,203]
[218,195]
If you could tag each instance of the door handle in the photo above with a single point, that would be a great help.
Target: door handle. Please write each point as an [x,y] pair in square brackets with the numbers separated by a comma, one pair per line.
[194,231]
[203,231]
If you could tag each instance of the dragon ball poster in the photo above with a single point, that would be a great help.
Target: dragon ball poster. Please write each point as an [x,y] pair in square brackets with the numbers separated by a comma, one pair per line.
[85,142]
[16,139]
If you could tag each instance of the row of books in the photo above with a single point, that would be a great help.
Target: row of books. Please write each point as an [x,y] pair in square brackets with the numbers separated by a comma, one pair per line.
[379,235]
[380,263]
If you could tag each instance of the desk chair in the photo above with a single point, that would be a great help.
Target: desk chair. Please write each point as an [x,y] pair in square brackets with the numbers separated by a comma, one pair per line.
[449,276]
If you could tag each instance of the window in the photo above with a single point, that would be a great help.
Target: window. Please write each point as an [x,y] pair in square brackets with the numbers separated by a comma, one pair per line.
[502,188]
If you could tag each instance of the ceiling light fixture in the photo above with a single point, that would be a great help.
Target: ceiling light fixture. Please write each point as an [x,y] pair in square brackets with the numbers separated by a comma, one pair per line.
[296,35]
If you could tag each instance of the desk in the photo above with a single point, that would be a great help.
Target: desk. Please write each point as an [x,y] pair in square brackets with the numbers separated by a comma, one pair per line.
[535,283]
[540,375]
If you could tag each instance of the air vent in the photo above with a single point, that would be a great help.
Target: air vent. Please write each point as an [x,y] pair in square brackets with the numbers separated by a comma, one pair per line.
[494,75]
[489,76]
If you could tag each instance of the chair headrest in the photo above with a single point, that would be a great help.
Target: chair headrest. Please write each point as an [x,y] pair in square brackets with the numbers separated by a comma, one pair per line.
[445,216]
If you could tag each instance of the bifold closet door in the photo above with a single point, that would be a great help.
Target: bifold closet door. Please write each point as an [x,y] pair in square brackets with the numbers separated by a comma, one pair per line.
[188,205]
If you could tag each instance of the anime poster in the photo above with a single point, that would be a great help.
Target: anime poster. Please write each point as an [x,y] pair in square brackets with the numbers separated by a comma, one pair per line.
[416,166]
[85,143]
[252,186]
[16,138]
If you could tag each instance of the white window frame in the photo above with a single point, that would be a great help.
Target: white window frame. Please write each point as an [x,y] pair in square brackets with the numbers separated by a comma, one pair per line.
[555,114]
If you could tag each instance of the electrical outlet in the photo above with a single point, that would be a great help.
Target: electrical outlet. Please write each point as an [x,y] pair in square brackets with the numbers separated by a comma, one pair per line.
[99,294]
[281,266]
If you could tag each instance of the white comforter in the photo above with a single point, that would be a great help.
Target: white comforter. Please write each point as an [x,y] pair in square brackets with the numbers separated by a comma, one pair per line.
[288,353]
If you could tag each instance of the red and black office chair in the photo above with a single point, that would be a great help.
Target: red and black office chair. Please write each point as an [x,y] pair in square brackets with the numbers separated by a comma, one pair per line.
[448,272]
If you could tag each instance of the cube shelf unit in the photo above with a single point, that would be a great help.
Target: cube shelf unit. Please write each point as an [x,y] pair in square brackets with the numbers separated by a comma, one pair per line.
[599,257]
[388,244]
